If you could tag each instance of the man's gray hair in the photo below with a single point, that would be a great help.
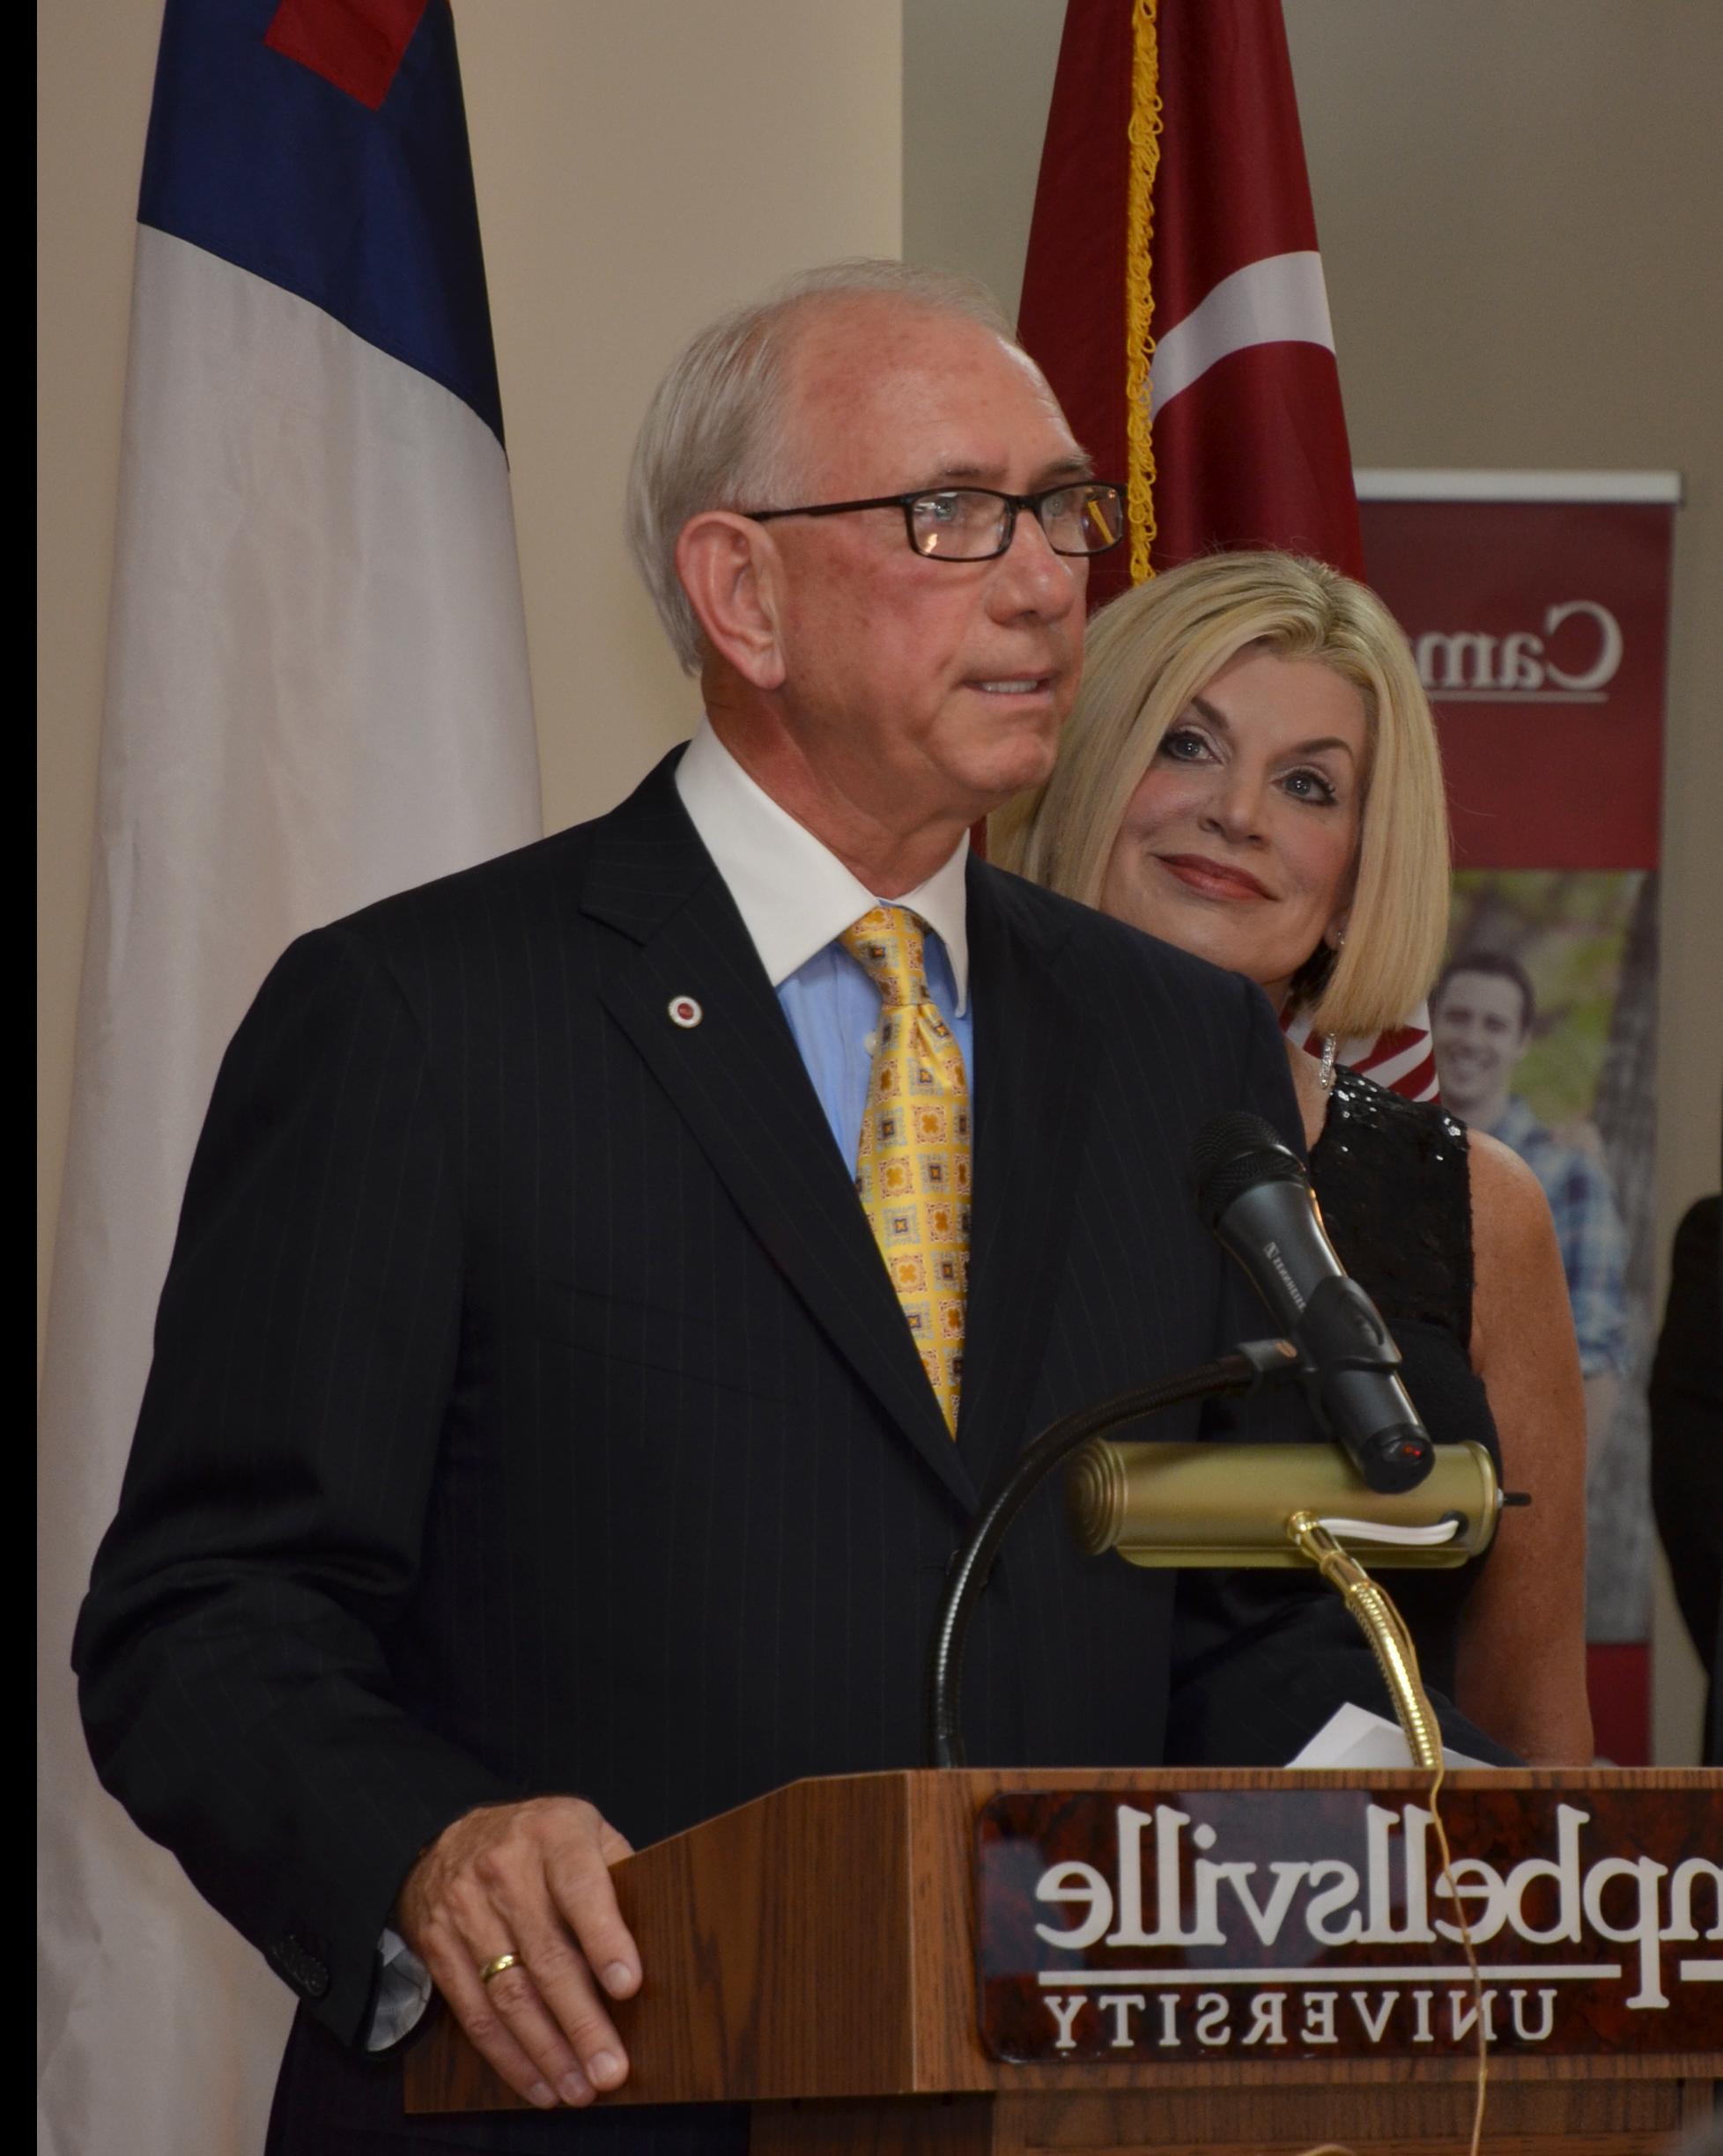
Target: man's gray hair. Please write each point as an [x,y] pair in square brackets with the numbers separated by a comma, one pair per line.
[714,437]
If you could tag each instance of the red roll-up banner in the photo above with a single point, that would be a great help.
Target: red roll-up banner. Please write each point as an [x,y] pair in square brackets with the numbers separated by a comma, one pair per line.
[1538,607]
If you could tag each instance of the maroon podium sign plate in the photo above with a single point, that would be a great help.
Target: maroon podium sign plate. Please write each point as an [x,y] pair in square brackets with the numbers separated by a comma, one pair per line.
[1314,1923]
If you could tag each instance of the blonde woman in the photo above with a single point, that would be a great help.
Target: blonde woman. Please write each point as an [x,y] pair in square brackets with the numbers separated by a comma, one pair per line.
[1250,773]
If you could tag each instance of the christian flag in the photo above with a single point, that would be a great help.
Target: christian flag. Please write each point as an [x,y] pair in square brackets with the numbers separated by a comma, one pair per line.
[317,693]
[1173,295]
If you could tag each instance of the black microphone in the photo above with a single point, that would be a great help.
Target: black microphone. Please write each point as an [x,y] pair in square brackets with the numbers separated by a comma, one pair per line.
[1253,1194]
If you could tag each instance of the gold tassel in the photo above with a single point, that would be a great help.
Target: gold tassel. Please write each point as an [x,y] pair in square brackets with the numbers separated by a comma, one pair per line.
[1143,136]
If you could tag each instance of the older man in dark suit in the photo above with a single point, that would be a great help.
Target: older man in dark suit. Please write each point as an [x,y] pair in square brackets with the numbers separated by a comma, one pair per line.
[544,1445]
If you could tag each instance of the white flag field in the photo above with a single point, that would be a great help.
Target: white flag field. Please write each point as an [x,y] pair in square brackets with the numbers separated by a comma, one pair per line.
[317,693]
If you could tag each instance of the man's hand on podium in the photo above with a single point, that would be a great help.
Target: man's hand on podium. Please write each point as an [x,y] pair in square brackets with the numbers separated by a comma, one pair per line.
[530,1881]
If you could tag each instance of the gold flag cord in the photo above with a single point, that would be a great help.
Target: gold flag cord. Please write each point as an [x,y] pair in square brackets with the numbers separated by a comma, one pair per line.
[1143,139]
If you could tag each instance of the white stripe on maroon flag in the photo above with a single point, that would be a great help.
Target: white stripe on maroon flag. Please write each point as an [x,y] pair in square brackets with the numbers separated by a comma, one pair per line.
[1281,299]
[317,693]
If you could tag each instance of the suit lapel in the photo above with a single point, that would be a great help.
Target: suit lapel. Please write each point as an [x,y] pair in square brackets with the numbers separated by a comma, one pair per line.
[1033,1045]
[738,1082]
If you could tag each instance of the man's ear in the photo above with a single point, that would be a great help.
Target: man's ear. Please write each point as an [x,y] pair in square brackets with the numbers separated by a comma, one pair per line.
[730,569]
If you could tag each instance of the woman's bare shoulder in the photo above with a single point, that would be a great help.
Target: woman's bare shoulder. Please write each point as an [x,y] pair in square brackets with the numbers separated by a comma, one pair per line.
[1509,1209]
[1516,1260]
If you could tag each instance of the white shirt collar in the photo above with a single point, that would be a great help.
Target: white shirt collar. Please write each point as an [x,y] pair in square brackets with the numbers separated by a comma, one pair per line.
[793,894]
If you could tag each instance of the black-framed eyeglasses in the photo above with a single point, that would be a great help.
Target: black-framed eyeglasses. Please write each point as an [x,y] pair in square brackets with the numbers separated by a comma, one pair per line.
[969,524]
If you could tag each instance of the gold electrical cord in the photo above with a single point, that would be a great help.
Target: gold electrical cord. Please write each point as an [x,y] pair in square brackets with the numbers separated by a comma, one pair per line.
[1177,1516]
[1379,1622]
[1397,1659]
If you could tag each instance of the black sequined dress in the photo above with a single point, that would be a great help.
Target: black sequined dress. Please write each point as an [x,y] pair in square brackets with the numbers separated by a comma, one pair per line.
[1392,1177]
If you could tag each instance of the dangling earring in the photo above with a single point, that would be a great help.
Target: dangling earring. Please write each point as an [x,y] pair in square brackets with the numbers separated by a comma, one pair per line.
[1325,1076]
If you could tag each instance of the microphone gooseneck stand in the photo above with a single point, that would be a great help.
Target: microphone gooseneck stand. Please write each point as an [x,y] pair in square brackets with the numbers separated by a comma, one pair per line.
[1253,1364]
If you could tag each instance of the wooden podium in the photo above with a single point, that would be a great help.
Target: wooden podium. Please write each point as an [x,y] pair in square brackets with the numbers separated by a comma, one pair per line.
[815,1955]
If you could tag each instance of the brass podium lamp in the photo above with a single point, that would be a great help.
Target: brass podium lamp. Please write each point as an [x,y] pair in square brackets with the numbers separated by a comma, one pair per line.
[1221,1504]
[1283,1506]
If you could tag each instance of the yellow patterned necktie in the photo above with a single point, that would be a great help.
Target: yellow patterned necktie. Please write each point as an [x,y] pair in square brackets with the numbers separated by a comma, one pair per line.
[911,1169]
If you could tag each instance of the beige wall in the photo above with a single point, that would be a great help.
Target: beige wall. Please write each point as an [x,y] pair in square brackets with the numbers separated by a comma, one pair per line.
[978,77]
[96,58]
[1521,213]
[639,168]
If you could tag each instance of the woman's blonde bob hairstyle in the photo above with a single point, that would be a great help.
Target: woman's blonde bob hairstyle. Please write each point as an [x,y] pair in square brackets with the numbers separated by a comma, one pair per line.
[1151,652]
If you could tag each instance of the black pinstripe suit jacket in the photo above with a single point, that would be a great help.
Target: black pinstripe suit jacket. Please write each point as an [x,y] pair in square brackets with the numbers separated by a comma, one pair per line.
[531,1410]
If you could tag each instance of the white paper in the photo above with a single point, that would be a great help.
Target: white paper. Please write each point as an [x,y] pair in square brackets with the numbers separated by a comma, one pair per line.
[1354,1737]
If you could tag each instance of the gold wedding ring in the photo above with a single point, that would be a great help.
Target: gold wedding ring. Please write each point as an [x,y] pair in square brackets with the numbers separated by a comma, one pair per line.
[497,1964]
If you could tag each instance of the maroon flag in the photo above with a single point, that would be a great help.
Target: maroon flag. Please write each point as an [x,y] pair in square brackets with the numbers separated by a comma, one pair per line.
[1173,297]
[1249,437]
[1173,292]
